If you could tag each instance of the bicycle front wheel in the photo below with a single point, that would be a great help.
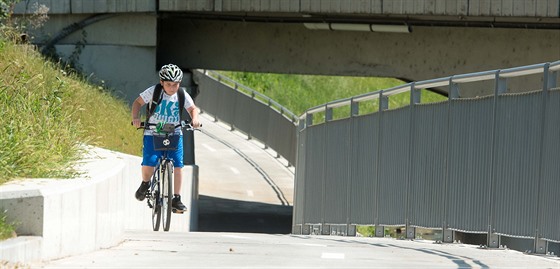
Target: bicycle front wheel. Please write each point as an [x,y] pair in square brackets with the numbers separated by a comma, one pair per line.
[167,194]
[155,199]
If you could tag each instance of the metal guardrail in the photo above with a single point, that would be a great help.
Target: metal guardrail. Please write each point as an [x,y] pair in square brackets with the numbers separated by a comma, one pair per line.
[249,111]
[450,81]
[254,94]
[479,165]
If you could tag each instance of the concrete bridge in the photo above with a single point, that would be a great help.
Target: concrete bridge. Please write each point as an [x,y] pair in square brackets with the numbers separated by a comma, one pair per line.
[124,42]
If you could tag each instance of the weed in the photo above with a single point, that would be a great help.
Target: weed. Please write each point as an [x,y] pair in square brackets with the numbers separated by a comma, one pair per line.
[7,229]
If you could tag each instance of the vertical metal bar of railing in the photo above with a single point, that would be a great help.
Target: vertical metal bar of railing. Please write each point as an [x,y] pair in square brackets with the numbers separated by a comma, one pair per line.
[540,246]
[325,230]
[493,240]
[354,110]
[414,100]
[448,235]
[383,105]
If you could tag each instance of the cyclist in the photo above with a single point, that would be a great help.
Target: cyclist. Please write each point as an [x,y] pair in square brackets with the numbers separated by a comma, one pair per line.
[167,111]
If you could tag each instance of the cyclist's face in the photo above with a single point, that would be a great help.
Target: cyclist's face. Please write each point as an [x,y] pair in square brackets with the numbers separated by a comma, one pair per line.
[170,87]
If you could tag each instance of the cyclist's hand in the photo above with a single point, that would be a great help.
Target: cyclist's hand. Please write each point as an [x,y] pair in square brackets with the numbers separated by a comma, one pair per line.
[195,123]
[136,123]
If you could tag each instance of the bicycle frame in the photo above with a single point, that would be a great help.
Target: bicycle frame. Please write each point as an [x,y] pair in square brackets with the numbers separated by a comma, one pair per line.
[160,194]
[161,191]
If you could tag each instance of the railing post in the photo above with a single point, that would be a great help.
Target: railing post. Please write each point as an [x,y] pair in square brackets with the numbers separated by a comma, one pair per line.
[328,113]
[453,89]
[383,102]
[379,231]
[383,105]
[308,120]
[414,99]
[500,86]
[448,235]
[540,245]
[354,108]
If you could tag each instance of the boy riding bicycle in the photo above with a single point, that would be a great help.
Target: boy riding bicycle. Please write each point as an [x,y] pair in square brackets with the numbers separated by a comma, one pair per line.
[168,111]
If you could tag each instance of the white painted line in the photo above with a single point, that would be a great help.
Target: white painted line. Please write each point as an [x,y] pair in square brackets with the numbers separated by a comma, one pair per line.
[313,245]
[234,170]
[326,255]
[208,147]
[250,193]
[235,236]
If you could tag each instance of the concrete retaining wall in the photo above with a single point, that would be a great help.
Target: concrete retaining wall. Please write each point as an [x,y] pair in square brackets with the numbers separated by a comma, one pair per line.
[57,218]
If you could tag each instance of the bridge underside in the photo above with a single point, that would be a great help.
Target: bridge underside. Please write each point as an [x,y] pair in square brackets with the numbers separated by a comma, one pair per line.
[146,41]
[425,53]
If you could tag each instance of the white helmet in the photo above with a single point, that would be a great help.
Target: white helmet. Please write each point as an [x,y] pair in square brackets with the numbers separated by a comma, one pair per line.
[170,72]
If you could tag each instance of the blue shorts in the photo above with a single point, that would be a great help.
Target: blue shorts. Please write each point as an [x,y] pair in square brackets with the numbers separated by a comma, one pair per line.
[150,156]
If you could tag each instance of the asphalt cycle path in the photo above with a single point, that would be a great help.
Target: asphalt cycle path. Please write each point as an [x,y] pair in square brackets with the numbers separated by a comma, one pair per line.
[143,249]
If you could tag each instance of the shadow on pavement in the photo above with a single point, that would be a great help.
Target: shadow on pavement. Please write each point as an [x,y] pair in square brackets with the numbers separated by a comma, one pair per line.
[226,215]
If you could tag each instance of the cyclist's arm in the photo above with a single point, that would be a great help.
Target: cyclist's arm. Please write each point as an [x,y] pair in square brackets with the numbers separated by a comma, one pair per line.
[138,103]
[193,112]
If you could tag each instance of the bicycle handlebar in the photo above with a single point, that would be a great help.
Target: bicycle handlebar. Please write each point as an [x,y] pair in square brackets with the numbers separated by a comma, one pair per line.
[183,124]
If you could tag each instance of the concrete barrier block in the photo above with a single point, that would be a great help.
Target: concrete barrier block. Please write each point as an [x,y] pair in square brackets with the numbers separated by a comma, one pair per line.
[52,226]
[24,208]
[21,249]
[74,216]
[87,219]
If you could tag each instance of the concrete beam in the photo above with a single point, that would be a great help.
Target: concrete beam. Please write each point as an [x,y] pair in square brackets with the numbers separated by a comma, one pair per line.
[426,53]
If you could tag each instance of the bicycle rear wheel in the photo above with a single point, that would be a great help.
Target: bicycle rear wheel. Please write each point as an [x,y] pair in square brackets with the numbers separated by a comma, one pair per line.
[167,195]
[155,199]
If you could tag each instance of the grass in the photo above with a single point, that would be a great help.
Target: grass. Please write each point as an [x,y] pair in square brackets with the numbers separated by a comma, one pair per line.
[48,114]
[7,230]
[301,92]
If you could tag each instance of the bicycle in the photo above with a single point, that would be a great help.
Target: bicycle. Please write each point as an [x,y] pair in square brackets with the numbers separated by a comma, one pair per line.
[160,193]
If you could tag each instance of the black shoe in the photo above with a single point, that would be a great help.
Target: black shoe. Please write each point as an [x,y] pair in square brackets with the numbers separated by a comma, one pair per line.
[141,192]
[177,206]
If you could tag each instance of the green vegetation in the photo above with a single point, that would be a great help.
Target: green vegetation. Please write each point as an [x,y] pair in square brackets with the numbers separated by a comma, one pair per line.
[7,230]
[301,92]
[366,231]
[49,113]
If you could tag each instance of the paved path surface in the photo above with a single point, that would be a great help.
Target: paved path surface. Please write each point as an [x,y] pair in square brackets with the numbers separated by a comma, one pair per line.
[251,250]
[245,219]
[243,188]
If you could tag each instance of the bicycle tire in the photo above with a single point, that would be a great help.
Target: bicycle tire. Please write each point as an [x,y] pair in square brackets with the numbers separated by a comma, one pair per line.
[156,201]
[167,182]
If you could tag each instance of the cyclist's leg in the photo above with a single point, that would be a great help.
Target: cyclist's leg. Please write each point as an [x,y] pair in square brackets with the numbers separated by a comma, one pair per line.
[147,172]
[149,161]
[177,180]
[149,158]
[177,157]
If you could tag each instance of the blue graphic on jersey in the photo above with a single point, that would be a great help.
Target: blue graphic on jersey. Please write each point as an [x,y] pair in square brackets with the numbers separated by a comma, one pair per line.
[167,111]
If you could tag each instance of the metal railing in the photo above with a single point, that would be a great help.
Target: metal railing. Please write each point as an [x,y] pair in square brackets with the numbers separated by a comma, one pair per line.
[248,111]
[479,165]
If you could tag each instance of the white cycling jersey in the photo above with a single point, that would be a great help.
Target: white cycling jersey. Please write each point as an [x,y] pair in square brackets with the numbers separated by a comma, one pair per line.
[168,108]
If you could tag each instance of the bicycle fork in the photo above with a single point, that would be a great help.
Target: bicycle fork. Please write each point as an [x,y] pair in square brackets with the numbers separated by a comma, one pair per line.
[155,187]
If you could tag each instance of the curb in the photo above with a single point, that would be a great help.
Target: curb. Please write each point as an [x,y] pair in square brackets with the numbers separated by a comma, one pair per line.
[63,217]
